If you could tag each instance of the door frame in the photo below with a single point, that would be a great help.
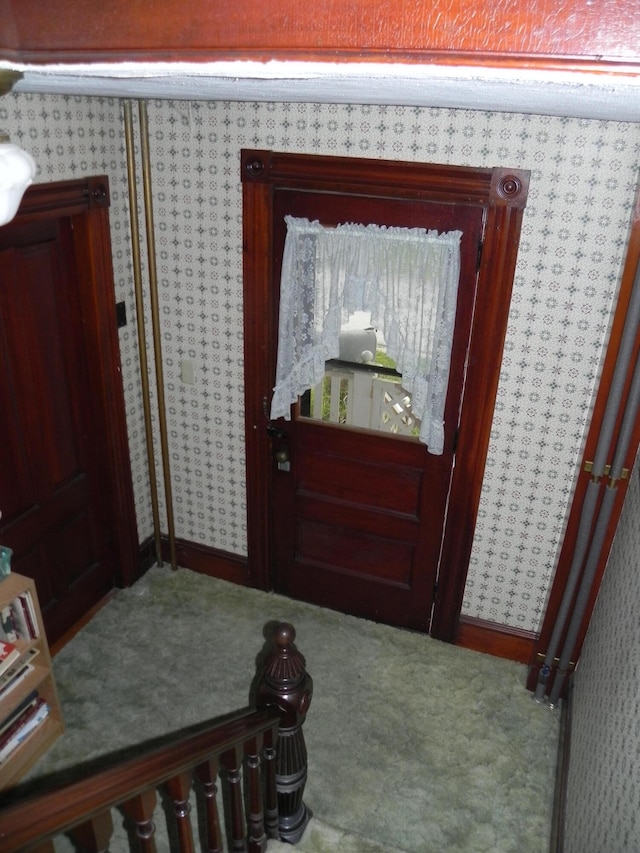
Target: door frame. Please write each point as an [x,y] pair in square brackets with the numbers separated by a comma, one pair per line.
[503,195]
[86,202]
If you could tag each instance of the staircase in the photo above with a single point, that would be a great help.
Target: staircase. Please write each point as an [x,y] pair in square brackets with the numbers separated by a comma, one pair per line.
[257,758]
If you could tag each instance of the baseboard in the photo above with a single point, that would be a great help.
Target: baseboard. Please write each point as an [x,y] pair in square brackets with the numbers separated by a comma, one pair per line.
[492,638]
[477,634]
[556,843]
[208,561]
[146,556]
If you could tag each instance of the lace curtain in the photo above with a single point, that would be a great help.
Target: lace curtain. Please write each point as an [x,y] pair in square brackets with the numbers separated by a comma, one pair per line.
[406,277]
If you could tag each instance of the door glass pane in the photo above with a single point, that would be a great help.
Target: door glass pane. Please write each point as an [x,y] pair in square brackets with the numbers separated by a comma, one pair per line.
[362,388]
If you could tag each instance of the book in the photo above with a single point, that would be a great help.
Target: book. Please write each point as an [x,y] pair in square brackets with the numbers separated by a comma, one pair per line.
[30,614]
[15,676]
[7,627]
[9,654]
[9,674]
[23,727]
[19,620]
[18,711]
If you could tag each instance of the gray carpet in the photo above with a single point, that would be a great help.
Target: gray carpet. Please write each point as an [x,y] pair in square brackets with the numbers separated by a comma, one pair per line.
[414,745]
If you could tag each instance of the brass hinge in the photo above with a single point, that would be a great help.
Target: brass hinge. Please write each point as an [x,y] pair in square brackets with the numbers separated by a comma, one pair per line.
[588,467]
[541,656]
[479,258]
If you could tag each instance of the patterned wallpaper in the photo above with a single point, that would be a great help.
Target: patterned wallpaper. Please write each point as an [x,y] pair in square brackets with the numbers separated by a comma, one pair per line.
[603,797]
[583,175]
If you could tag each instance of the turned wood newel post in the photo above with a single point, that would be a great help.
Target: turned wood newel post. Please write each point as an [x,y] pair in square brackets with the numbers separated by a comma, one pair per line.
[286,683]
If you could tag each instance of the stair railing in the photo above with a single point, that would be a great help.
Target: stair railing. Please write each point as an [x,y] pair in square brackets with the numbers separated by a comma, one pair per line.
[268,805]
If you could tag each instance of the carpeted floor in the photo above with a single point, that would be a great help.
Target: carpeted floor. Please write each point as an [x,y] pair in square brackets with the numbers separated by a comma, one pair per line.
[414,745]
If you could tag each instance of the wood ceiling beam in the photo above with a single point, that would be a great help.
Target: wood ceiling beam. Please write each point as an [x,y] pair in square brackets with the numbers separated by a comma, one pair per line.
[581,35]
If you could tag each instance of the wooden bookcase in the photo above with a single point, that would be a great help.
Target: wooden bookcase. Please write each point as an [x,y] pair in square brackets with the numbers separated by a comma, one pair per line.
[40,679]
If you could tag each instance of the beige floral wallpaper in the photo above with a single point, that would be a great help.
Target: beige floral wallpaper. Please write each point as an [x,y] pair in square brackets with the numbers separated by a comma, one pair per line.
[583,175]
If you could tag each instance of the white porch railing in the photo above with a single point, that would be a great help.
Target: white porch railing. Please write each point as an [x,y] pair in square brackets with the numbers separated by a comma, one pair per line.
[362,398]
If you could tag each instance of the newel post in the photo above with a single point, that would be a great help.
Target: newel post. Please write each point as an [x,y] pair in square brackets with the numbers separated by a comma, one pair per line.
[286,684]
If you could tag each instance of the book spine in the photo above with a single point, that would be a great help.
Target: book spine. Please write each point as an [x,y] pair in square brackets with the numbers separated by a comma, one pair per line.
[9,654]
[30,614]
[19,620]
[14,677]
[7,626]
[22,728]
[17,712]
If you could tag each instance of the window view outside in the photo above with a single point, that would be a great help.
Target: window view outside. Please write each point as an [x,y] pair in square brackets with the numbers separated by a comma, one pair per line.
[362,387]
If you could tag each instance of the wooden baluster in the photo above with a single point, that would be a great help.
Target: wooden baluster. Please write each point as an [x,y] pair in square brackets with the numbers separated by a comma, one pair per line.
[94,835]
[207,775]
[270,792]
[232,761]
[257,837]
[140,810]
[179,789]
[286,683]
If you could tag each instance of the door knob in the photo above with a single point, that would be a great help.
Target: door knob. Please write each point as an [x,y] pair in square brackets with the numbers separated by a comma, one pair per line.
[282,458]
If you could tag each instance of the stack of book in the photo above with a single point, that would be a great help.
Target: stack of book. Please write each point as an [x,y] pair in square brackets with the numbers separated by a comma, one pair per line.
[18,627]
[13,674]
[18,619]
[22,722]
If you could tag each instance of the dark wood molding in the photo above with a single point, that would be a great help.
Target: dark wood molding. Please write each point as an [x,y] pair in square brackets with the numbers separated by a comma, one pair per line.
[502,193]
[577,35]
[65,198]
[86,202]
[147,555]
[491,638]
[629,273]
[495,283]
[94,257]
[256,209]
[208,561]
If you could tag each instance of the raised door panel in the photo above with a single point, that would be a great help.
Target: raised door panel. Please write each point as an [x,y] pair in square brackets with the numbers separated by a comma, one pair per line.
[53,514]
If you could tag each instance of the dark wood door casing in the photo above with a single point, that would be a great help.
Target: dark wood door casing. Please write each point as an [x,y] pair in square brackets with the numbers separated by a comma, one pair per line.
[502,193]
[61,236]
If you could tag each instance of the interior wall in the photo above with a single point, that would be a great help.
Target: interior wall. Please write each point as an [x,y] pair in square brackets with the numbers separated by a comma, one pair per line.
[72,137]
[583,175]
[603,794]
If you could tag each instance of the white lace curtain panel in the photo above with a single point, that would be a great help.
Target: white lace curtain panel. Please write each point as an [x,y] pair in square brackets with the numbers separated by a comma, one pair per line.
[407,278]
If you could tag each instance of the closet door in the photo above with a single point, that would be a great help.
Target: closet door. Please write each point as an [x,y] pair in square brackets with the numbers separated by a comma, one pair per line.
[57,486]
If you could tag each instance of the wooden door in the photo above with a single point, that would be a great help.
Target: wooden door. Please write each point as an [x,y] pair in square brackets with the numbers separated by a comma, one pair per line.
[364,522]
[359,514]
[63,505]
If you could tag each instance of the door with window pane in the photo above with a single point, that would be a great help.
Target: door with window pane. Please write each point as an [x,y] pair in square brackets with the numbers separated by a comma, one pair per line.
[359,504]
[345,507]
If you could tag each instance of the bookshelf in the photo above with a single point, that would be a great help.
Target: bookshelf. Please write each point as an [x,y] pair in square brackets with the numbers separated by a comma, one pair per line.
[39,678]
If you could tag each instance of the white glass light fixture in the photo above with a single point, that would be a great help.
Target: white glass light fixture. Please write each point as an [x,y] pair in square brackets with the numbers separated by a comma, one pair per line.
[17,168]
[17,171]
